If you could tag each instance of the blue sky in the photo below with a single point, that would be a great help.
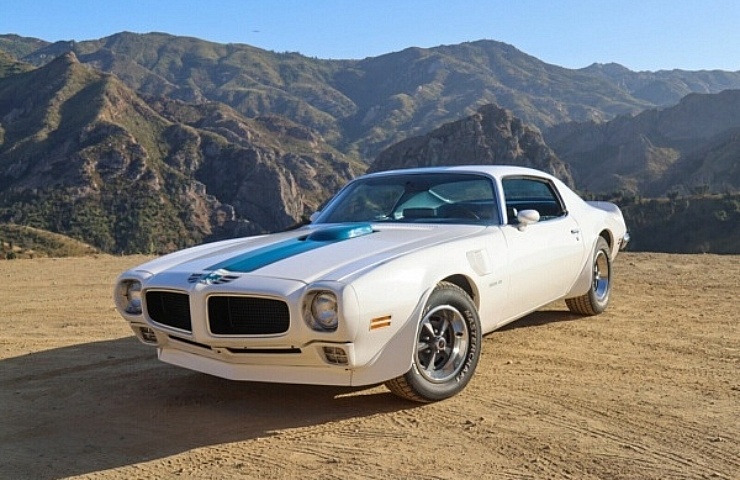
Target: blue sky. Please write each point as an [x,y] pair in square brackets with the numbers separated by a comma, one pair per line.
[639,34]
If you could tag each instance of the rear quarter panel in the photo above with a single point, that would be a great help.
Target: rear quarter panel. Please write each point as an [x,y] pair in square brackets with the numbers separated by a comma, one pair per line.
[594,219]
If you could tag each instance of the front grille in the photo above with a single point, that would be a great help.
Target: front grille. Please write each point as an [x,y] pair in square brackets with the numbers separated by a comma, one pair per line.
[169,308]
[231,315]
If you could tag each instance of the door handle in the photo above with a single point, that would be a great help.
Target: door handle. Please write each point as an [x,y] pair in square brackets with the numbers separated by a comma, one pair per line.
[575,231]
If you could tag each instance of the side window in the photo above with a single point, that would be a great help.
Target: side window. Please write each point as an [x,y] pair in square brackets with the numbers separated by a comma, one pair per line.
[531,194]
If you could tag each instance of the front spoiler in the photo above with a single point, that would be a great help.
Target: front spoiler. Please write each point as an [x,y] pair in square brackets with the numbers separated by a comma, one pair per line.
[300,374]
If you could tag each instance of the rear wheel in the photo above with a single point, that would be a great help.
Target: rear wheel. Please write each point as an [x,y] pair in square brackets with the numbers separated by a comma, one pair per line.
[447,348]
[596,299]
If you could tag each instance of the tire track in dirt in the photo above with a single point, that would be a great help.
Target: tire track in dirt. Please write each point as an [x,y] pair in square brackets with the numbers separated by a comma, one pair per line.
[693,446]
[77,370]
[647,390]
[666,462]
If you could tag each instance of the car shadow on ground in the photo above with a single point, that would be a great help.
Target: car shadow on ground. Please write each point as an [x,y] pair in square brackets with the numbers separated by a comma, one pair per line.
[542,318]
[97,406]
[102,405]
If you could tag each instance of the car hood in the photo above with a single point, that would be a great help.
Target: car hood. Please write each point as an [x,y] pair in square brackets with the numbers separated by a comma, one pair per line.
[308,254]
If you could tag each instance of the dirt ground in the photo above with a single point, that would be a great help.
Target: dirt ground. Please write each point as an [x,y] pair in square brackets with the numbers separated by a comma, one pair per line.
[649,389]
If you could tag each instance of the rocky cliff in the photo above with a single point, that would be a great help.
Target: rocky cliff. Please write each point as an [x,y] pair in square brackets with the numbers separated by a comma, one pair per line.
[82,154]
[692,145]
[183,140]
[491,136]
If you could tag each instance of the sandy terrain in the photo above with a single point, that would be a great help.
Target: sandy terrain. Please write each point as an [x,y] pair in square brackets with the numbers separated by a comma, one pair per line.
[649,389]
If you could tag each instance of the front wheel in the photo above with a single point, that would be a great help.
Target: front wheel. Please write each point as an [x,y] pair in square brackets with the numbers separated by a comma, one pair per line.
[596,299]
[447,348]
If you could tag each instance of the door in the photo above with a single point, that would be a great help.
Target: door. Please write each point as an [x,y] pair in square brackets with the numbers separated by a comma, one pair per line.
[545,257]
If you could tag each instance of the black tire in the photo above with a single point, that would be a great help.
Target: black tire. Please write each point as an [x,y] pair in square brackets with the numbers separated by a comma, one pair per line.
[596,299]
[448,342]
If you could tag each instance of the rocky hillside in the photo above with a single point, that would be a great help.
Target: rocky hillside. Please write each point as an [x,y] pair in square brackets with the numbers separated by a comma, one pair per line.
[692,147]
[492,136]
[690,224]
[363,106]
[82,154]
[148,143]
[685,220]
[17,241]
[664,87]
[10,66]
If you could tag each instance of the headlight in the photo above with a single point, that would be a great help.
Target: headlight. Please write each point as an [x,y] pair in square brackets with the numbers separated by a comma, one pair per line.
[322,313]
[129,297]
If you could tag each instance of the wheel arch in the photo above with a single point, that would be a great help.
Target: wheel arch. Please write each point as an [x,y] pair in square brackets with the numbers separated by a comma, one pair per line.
[583,281]
[608,235]
[468,286]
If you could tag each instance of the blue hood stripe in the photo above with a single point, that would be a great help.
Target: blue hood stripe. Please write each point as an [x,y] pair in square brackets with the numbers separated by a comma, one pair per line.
[264,256]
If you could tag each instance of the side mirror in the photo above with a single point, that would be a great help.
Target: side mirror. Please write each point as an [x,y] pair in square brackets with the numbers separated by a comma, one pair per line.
[525,217]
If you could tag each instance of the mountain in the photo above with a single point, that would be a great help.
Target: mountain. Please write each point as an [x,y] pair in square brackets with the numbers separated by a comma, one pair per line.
[10,66]
[491,136]
[664,87]
[361,107]
[689,146]
[81,153]
[18,47]
[685,220]
[149,143]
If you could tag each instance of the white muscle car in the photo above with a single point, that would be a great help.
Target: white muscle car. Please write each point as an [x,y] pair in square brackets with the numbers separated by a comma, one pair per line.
[394,281]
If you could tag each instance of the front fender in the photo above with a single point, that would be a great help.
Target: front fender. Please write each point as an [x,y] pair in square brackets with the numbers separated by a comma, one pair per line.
[395,357]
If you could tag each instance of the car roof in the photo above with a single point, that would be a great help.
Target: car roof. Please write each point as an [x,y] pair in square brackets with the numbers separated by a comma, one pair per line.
[496,171]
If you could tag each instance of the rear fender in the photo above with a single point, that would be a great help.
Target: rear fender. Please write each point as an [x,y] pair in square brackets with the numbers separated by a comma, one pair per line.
[585,277]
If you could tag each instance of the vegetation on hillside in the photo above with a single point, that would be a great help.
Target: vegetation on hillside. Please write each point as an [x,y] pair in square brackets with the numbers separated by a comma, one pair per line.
[363,106]
[82,154]
[682,224]
[150,143]
[120,218]
[18,241]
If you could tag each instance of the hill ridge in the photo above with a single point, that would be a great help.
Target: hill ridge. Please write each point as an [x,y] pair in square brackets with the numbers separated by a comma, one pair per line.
[363,106]
[150,142]
[85,155]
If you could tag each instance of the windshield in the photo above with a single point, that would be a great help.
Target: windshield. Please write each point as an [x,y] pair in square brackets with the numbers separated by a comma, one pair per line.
[415,197]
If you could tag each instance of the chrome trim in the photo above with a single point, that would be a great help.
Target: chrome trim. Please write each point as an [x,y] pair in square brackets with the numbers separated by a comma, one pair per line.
[624,241]
[212,278]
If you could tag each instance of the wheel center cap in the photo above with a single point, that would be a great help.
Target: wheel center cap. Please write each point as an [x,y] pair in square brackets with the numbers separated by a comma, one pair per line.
[440,344]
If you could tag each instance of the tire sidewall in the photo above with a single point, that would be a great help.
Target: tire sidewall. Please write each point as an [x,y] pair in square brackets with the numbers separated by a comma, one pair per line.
[455,297]
[599,305]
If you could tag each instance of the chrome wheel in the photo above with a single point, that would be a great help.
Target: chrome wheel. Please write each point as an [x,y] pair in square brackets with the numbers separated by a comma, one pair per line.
[602,275]
[446,349]
[442,344]
[596,299]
